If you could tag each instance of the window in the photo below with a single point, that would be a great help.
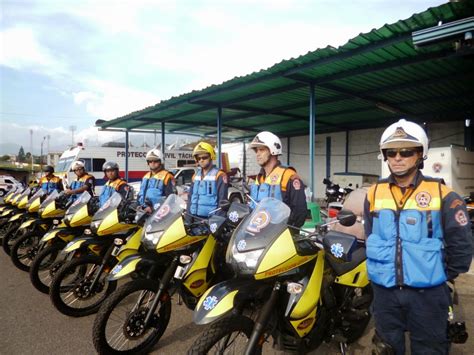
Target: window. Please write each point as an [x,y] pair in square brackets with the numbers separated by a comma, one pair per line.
[97,164]
[8,181]
[87,163]
[187,176]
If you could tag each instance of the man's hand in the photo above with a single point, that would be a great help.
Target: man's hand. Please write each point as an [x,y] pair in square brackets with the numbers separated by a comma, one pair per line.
[148,209]
[68,192]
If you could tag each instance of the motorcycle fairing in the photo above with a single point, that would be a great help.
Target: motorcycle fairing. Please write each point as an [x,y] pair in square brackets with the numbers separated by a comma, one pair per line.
[280,256]
[356,277]
[197,279]
[131,246]
[175,237]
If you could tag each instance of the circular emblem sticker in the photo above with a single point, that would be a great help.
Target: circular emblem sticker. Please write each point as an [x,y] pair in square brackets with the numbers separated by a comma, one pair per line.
[224,178]
[163,211]
[258,222]
[423,199]
[274,178]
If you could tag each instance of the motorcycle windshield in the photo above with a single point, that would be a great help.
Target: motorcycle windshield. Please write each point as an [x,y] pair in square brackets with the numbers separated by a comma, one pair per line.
[51,197]
[164,217]
[267,221]
[110,205]
[82,200]
[40,193]
[25,193]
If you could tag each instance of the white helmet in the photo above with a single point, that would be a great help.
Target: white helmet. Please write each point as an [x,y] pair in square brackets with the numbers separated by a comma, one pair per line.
[269,140]
[77,165]
[154,154]
[404,134]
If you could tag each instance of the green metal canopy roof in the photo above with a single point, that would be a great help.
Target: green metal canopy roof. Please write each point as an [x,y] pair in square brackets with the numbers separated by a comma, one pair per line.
[370,81]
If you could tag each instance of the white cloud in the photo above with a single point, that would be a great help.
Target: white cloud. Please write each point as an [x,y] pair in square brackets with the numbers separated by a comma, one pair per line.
[21,50]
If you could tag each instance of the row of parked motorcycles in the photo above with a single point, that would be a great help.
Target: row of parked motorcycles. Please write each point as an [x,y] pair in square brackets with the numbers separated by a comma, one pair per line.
[256,280]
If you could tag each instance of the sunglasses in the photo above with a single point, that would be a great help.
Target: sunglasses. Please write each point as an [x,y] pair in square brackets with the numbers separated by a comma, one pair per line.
[153,161]
[202,157]
[404,153]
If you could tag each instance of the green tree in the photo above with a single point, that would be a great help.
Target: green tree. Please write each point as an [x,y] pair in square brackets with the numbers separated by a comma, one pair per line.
[6,157]
[21,155]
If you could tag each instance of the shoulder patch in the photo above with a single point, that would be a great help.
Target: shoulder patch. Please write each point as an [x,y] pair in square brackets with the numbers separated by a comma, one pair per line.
[461,218]
[296,184]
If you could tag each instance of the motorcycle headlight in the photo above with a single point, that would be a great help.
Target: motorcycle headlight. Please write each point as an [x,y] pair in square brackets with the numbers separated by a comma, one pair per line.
[249,258]
[152,239]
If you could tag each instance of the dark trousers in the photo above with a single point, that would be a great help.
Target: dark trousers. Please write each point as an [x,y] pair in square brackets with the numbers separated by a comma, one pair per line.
[421,312]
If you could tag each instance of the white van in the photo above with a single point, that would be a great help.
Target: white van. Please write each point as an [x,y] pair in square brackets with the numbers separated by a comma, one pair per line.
[95,157]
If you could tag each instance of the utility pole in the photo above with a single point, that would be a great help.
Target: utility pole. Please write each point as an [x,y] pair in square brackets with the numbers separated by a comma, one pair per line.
[72,129]
[31,150]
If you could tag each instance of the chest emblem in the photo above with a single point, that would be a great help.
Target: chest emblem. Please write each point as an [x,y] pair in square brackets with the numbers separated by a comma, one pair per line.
[423,199]
[273,179]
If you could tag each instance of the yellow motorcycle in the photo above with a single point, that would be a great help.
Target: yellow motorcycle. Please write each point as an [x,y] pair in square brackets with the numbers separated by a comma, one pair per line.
[15,220]
[24,248]
[8,209]
[174,260]
[300,291]
[80,285]
[47,261]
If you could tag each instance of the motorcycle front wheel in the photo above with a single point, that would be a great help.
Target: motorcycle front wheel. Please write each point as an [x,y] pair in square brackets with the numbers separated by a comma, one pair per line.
[71,290]
[10,236]
[119,325]
[44,267]
[24,250]
[228,335]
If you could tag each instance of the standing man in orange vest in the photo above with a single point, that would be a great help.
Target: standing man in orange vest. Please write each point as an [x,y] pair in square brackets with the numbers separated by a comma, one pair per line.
[275,180]
[419,237]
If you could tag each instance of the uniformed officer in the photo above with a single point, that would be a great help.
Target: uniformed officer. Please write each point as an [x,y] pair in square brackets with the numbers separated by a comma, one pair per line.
[419,238]
[275,180]
[50,182]
[83,182]
[114,183]
[158,182]
[209,183]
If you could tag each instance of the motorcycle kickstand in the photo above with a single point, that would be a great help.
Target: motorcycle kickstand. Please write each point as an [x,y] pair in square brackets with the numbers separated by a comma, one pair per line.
[343,348]
[180,300]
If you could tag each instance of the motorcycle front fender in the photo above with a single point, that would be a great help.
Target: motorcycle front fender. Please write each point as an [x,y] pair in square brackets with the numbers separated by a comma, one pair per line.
[124,267]
[27,223]
[222,298]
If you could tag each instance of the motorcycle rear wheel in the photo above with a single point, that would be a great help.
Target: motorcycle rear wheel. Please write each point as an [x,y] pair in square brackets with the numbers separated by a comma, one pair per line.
[70,289]
[128,307]
[41,274]
[233,331]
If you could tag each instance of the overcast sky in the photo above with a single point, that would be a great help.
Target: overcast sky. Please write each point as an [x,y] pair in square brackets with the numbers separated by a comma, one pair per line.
[70,62]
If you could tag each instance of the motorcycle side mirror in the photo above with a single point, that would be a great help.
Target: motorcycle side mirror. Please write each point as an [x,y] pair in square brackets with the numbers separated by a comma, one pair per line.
[224,205]
[326,181]
[346,218]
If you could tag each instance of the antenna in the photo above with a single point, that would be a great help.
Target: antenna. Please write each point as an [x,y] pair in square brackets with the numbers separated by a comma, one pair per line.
[72,129]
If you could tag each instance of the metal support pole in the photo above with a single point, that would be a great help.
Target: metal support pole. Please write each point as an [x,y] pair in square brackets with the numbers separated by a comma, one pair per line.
[163,145]
[328,157]
[126,154]
[312,136]
[347,152]
[219,136]
[244,158]
[288,151]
